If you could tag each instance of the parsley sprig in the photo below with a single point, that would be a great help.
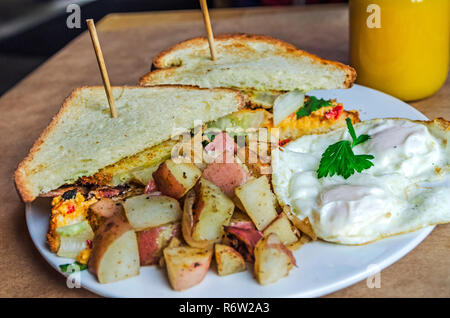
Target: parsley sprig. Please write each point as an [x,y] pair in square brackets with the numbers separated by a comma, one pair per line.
[312,104]
[339,158]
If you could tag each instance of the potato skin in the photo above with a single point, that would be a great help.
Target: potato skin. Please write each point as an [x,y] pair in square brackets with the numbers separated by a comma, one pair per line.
[174,179]
[227,176]
[282,226]
[213,210]
[187,222]
[273,260]
[303,225]
[186,266]
[152,241]
[228,260]
[107,233]
[167,183]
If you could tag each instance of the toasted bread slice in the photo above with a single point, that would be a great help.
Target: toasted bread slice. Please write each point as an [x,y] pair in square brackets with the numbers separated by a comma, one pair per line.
[260,66]
[83,137]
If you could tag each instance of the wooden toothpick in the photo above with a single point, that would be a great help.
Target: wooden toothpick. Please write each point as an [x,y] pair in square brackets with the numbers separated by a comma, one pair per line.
[102,66]
[209,31]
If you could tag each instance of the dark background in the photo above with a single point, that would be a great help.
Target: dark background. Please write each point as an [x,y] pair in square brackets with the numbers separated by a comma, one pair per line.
[31,32]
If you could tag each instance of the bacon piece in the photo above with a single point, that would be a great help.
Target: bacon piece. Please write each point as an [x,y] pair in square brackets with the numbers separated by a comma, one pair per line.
[60,191]
[108,192]
[106,207]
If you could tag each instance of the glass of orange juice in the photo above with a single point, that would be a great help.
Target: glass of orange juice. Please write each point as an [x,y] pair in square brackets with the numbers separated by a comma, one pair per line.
[400,47]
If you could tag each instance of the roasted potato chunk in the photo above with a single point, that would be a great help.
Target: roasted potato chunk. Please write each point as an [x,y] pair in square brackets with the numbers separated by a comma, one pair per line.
[213,210]
[187,222]
[115,254]
[303,225]
[186,266]
[287,233]
[273,260]
[241,219]
[176,179]
[144,211]
[228,260]
[152,241]
[258,201]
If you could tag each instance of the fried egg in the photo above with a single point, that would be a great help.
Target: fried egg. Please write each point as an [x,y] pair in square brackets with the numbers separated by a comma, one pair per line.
[405,190]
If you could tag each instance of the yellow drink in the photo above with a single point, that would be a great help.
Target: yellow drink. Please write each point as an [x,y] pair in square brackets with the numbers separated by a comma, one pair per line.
[400,47]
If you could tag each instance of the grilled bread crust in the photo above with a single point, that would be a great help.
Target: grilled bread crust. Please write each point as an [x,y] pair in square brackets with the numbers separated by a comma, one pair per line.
[188,63]
[82,138]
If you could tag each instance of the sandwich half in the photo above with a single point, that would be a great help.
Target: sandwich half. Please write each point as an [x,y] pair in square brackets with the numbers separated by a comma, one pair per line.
[83,139]
[272,75]
[260,66]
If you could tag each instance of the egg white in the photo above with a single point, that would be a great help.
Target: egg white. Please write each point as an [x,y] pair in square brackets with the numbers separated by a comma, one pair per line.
[388,199]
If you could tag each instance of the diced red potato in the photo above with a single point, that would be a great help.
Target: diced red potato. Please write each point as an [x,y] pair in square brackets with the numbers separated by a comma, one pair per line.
[212,210]
[258,201]
[115,254]
[187,222]
[274,242]
[303,225]
[227,176]
[186,266]
[249,236]
[174,242]
[244,239]
[273,260]
[241,220]
[176,179]
[283,227]
[152,241]
[145,211]
[228,260]
[238,203]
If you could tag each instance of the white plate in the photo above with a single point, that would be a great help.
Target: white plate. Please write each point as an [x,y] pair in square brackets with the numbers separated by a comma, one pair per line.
[322,267]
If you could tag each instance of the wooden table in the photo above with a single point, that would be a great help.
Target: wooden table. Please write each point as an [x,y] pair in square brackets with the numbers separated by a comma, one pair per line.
[129,42]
